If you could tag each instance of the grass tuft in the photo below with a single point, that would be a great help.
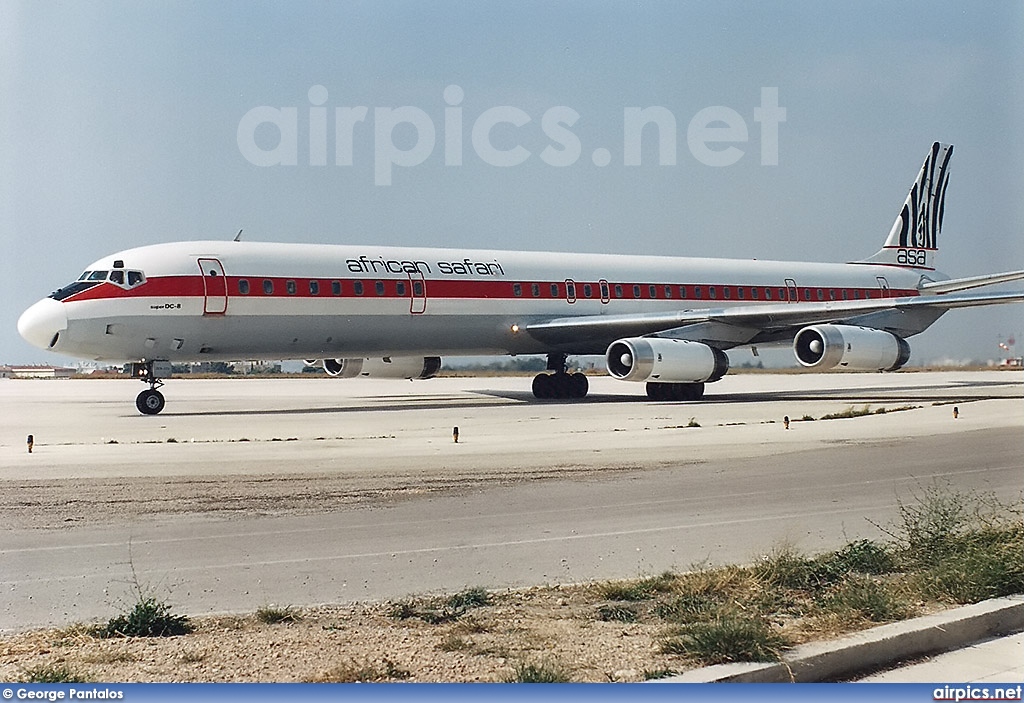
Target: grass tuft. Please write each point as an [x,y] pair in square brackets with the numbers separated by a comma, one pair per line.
[617,612]
[441,610]
[273,615]
[351,671]
[543,671]
[53,673]
[147,618]
[730,637]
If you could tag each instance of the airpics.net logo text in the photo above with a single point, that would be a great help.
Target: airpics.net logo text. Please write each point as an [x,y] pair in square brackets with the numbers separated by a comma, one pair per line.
[715,136]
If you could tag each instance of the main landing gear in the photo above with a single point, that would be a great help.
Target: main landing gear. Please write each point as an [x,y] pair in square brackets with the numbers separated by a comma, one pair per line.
[561,383]
[151,401]
[675,391]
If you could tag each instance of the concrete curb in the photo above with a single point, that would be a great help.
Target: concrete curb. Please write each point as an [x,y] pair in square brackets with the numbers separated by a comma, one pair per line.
[874,648]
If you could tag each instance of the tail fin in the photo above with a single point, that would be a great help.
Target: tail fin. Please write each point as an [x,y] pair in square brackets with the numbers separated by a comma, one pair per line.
[913,239]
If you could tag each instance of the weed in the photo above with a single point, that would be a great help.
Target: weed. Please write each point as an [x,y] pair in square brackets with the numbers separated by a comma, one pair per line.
[53,673]
[351,671]
[436,611]
[476,597]
[642,589]
[544,671]
[848,413]
[654,674]
[731,637]
[148,618]
[273,615]
[454,643]
[867,598]
[861,556]
[693,422]
[617,612]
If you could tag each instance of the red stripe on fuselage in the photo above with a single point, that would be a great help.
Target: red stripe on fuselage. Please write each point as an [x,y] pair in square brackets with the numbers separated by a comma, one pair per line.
[443,289]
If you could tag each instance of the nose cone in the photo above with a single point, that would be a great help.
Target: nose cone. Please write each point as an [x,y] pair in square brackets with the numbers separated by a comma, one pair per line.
[41,324]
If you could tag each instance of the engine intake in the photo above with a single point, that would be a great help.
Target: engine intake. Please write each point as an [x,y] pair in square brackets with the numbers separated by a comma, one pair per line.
[665,360]
[850,347]
[412,367]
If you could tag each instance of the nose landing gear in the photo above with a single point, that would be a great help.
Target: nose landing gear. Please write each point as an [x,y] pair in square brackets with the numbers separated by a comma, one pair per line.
[151,401]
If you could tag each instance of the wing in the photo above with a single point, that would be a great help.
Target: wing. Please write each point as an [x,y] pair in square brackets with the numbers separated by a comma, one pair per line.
[761,323]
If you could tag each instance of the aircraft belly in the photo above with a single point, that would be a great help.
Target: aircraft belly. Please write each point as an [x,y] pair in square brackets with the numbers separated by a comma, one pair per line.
[233,337]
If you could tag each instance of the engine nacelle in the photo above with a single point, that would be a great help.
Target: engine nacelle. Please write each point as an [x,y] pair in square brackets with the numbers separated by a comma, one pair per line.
[855,348]
[418,367]
[665,360]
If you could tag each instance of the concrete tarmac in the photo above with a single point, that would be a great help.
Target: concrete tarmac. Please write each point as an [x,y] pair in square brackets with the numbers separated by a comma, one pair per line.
[539,491]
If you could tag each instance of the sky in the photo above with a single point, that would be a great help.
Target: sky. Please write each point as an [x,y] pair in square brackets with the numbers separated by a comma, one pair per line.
[128,123]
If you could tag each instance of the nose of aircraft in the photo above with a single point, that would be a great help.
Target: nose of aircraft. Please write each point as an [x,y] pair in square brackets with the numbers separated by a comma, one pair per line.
[41,324]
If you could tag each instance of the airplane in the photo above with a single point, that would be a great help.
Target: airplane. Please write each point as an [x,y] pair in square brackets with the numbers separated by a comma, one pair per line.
[392,312]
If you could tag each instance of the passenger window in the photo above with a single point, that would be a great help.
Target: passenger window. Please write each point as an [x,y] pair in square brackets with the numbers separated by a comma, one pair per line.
[726,292]
[636,291]
[243,286]
[698,292]
[653,291]
[535,289]
[314,287]
[517,289]
[358,287]
[682,291]
[417,288]
[739,293]
[554,290]
[588,290]
[712,292]
[400,289]
[753,294]
[290,287]
[336,287]
[668,291]
[604,290]
[618,290]
[268,286]
[379,287]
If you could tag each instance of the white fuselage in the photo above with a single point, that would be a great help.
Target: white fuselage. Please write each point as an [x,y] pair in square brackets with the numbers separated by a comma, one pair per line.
[241,300]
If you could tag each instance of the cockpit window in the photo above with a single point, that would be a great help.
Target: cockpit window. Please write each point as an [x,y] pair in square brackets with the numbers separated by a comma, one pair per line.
[119,277]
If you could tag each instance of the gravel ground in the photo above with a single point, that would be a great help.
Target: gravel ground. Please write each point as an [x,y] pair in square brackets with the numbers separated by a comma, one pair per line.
[556,627]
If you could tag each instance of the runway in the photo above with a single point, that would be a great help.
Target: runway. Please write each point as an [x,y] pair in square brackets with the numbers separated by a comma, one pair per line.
[365,496]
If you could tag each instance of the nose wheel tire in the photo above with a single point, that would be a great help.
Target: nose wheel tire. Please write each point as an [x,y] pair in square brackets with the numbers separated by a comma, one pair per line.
[150,402]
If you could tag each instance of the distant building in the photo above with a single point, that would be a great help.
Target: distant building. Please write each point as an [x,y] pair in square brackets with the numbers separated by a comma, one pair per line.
[42,372]
[5,372]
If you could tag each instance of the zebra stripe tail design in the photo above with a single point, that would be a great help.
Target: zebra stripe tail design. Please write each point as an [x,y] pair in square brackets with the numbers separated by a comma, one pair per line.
[913,239]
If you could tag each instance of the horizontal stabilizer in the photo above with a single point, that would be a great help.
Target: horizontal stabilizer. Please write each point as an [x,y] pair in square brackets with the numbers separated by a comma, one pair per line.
[958,284]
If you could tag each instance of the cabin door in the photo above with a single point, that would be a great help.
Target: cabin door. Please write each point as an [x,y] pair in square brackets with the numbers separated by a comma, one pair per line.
[215,287]
[417,293]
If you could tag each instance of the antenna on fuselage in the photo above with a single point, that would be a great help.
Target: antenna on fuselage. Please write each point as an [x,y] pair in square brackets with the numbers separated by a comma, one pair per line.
[238,237]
